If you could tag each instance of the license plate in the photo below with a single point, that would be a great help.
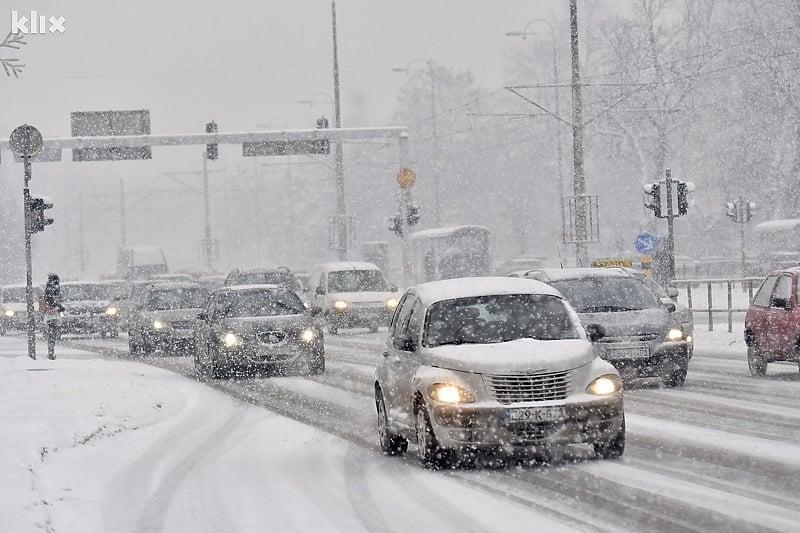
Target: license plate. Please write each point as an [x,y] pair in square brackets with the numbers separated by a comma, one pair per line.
[535,414]
[627,352]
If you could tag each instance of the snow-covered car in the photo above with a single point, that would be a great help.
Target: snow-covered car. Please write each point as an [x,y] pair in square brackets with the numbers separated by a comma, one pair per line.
[163,317]
[257,328]
[15,307]
[264,276]
[87,309]
[643,338]
[494,365]
[352,294]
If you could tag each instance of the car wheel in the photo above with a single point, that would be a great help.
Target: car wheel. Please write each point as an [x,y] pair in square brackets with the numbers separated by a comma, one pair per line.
[756,362]
[316,365]
[430,454]
[333,329]
[373,327]
[678,377]
[613,448]
[391,444]
[133,346]
[103,334]
[216,370]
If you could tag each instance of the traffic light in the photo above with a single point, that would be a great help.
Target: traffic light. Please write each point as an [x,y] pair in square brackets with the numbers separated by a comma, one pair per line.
[749,211]
[396,224]
[412,215]
[36,207]
[684,188]
[212,150]
[324,144]
[652,198]
[731,210]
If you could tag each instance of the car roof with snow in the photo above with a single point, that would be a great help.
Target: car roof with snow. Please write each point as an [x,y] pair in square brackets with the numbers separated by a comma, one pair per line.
[347,265]
[450,289]
[557,274]
[251,287]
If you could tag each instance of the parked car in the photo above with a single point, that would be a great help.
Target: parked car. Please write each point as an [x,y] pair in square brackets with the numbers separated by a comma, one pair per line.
[493,365]
[643,336]
[772,322]
[87,309]
[163,317]
[15,307]
[264,276]
[257,328]
[352,294]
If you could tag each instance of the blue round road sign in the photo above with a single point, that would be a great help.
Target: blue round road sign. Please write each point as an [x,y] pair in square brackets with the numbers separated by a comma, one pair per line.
[646,242]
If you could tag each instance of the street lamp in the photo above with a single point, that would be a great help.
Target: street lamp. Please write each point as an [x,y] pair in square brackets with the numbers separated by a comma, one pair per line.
[435,148]
[524,33]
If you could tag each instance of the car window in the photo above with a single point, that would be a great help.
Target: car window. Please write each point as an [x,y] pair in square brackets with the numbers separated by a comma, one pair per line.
[83,292]
[259,303]
[177,298]
[401,315]
[356,281]
[783,289]
[499,318]
[415,321]
[606,294]
[762,297]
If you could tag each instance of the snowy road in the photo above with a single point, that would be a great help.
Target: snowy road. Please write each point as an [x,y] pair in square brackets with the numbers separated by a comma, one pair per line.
[721,453]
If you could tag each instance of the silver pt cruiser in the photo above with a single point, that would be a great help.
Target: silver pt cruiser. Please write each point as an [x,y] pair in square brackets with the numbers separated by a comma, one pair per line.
[479,366]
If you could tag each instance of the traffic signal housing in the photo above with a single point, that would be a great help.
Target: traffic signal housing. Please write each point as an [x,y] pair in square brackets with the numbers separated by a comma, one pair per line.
[652,198]
[324,145]
[36,208]
[412,215]
[212,149]
[396,224]
[749,210]
[683,189]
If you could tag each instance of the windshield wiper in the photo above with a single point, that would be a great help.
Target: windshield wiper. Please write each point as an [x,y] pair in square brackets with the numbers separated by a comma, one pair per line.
[605,309]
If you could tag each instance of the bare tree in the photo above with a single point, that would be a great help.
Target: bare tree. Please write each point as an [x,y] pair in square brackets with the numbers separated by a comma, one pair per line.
[11,65]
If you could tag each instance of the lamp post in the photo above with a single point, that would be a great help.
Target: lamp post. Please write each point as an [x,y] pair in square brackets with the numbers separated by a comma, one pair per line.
[435,146]
[524,33]
[341,209]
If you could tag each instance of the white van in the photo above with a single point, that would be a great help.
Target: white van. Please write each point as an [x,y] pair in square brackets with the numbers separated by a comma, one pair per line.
[352,294]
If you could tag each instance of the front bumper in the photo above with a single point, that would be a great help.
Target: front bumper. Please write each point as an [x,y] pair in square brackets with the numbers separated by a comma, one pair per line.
[257,356]
[171,340]
[355,317]
[484,427]
[639,360]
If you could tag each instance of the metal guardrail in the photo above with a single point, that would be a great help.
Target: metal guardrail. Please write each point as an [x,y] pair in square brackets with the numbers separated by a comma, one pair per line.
[748,283]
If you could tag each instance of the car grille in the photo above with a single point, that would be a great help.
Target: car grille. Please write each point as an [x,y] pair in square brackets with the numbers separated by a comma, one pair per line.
[271,337]
[642,337]
[183,324]
[512,388]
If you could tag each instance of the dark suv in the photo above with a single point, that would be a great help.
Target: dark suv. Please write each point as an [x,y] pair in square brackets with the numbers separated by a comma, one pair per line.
[282,276]
[772,323]
[642,338]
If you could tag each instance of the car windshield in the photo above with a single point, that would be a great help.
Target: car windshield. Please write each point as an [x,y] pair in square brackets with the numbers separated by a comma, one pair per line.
[498,318]
[177,298]
[606,294]
[83,292]
[259,303]
[266,278]
[356,281]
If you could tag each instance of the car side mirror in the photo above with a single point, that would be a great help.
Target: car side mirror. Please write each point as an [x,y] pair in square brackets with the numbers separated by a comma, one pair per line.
[392,288]
[672,292]
[406,343]
[668,304]
[782,303]
[595,332]
[320,290]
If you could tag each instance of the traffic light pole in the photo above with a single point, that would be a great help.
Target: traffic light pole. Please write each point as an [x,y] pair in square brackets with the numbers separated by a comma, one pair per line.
[26,194]
[670,228]
[207,246]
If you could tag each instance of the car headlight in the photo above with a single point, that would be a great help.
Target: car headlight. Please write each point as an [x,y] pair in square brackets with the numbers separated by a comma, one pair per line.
[675,334]
[340,305]
[111,311]
[689,339]
[9,313]
[160,325]
[391,303]
[308,335]
[449,393]
[231,340]
[605,385]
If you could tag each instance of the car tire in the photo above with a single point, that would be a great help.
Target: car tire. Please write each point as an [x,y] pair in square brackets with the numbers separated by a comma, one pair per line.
[332,329]
[103,334]
[373,328]
[133,347]
[431,455]
[391,444]
[316,366]
[678,377]
[755,361]
[614,448]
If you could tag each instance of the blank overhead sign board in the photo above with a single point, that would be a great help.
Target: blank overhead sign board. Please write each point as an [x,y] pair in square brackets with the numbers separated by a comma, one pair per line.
[110,123]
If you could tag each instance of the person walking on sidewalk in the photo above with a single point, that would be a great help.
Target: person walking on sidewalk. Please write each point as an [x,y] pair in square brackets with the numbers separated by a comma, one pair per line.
[50,306]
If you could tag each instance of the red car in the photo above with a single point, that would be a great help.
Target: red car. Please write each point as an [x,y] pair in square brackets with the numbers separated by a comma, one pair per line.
[772,323]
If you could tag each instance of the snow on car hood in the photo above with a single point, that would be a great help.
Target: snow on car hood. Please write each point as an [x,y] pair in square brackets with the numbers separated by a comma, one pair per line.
[624,323]
[173,315]
[245,325]
[520,355]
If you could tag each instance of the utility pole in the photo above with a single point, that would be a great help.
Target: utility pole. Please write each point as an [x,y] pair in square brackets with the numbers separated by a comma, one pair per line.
[206,204]
[670,228]
[341,210]
[579,183]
